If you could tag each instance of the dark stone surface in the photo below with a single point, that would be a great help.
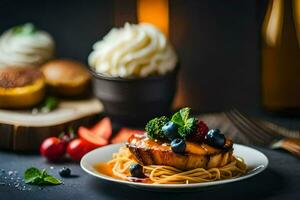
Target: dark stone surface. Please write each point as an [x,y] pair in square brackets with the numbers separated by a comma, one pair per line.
[279,181]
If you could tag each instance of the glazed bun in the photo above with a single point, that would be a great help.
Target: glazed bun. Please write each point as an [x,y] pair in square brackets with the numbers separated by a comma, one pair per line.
[66,77]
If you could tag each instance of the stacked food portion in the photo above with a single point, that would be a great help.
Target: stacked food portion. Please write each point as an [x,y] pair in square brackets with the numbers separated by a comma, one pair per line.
[28,68]
[180,149]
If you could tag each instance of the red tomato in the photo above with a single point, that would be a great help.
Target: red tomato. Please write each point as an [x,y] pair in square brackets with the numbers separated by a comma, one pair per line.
[77,148]
[90,137]
[103,128]
[53,148]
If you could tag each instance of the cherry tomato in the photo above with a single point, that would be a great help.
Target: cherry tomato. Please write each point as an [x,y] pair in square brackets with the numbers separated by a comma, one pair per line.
[77,148]
[53,148]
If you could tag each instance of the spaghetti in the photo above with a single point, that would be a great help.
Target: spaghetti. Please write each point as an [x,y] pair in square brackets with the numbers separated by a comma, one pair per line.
[160,174]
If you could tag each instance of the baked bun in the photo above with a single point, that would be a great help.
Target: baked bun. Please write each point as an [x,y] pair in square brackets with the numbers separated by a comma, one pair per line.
[21,87]
[66,77]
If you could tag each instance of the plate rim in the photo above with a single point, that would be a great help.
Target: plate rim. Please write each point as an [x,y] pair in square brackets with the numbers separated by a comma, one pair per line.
[260,169]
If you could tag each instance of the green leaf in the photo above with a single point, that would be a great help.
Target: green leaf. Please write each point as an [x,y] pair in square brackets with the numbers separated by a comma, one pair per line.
[184,113]
[39,177]
[181,116]
[177,119]
[52,180]
[31,174]
[25,29]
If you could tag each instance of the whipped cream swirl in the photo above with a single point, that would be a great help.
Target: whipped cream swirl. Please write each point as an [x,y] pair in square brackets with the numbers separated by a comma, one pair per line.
[133,51]
[24,46]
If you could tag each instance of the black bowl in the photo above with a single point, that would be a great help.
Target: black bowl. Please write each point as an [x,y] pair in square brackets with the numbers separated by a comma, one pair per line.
[134,101]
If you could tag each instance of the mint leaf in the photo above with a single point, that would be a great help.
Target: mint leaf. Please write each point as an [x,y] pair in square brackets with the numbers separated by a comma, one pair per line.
[181,116]
[39,177]
[184,113]
[31,174]
[177,119]
[25,29]
[44,173]
[52,180]
[186,124]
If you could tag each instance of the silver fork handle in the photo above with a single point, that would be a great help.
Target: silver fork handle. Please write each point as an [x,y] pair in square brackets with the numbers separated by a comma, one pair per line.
[289,144]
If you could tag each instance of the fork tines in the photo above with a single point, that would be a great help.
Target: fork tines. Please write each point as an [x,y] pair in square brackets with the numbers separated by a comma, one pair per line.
[256,133]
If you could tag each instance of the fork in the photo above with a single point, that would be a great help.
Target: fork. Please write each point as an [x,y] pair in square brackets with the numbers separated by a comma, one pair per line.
[263,135]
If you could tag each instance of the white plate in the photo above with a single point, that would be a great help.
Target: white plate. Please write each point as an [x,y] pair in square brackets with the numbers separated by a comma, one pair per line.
[255,160]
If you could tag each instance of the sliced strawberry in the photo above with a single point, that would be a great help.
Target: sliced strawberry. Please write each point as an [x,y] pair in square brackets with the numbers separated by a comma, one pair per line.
[90,137]
[103,128]
[124,134]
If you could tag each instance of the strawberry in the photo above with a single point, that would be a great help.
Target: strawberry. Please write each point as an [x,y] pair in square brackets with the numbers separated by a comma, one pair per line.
[103,128]
[90,137]
[124,134]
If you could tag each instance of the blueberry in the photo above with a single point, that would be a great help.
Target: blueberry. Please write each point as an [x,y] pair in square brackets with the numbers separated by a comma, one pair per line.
[64,172]
[136,170]
[170,130]
[178,145]
[215,138]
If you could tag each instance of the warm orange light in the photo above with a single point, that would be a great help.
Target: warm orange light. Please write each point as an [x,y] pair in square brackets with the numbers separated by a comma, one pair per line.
[155,12]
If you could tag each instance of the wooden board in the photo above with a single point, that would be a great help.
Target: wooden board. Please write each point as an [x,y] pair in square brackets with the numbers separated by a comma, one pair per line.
[24,131]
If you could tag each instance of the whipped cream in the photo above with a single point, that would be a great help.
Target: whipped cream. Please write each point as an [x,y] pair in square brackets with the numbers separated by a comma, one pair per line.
[133,51]
[24,46]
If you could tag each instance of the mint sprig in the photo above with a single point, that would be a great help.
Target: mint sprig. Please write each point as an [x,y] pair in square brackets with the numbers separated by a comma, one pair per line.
[39,177]
[185,123]
[24,29]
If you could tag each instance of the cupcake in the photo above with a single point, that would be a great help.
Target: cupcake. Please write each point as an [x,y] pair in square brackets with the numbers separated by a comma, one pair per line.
[25,46]
[134,69]
[66,77]
[21,87]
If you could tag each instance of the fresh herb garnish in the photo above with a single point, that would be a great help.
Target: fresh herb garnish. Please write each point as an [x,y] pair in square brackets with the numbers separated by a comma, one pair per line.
[39,177]
[185,123]
[48,104]
[154,126]
[24,29]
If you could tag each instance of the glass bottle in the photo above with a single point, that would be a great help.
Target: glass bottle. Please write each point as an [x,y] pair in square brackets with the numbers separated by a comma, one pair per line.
[281,56]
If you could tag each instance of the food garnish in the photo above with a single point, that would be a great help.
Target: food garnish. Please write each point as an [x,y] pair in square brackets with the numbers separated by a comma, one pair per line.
[48,104]
[136,170]
[24,29]
[215,138]
[65,172]
[124,134]
[178,145]
[170,129]
[103,128]
[35,176]
[200,133]
[92,138]
[187,125]
[182,127]
[154,127]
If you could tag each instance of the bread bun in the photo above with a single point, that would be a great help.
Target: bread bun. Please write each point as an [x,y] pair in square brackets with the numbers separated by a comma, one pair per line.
[66,77]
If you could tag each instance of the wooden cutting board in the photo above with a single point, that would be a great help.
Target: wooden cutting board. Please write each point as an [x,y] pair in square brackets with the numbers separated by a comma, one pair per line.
[24,131]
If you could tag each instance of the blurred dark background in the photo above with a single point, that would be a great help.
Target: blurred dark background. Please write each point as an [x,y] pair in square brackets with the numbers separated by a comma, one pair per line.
[218,42]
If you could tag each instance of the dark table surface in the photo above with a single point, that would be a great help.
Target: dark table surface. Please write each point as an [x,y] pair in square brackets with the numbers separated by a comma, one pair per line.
[279,181]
